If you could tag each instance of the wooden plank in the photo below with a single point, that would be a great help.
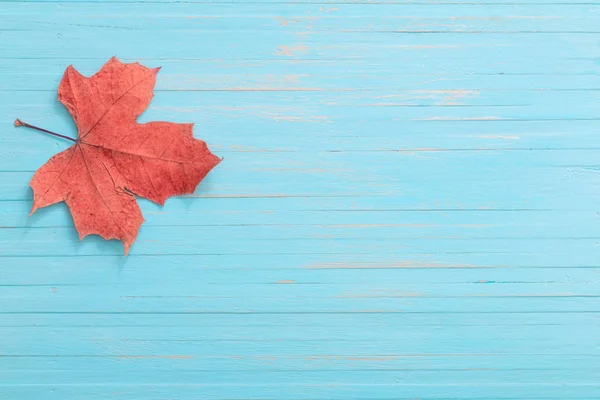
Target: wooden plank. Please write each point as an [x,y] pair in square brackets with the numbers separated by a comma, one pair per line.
[407,206]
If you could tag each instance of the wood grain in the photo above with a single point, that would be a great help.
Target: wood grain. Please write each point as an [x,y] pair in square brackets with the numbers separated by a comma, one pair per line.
[407,206]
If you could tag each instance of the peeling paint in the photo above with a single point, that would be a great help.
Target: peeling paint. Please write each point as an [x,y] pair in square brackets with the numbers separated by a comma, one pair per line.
[291,50]
[286,282]
[379,294]
[506,137]
[399,265]
[160,356]
[285,22]
[484,118]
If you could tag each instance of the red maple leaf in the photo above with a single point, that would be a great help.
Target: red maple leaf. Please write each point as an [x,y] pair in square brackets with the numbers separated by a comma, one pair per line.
[114,156]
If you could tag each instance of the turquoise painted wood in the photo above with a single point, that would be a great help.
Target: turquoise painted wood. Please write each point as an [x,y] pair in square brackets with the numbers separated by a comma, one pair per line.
[408,207]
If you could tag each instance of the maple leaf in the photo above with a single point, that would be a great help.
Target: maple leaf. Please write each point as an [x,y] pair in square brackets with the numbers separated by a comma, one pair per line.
[114,156]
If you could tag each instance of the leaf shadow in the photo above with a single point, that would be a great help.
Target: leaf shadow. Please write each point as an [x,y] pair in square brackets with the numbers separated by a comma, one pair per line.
[42,218]
[68,126]
[113,248]
[62,113]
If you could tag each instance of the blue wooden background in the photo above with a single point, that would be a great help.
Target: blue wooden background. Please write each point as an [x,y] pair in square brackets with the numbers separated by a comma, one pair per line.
[408,207]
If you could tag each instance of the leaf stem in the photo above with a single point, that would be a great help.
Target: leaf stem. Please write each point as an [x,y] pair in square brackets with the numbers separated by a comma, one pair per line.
[18,122]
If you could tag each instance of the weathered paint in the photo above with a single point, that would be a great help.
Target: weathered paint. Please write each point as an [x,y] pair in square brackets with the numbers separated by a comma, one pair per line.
[408,206]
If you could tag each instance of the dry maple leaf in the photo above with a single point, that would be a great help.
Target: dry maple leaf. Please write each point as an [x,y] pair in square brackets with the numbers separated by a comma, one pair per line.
[114,156]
